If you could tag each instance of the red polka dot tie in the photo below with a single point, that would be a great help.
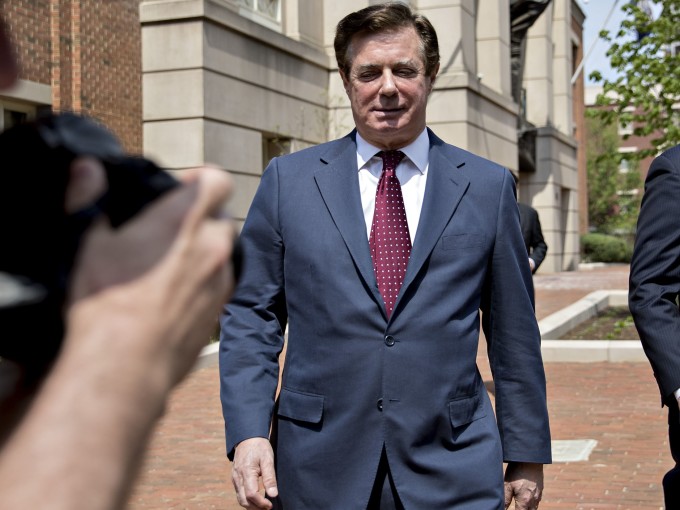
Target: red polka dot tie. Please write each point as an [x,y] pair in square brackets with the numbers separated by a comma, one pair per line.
[389,240]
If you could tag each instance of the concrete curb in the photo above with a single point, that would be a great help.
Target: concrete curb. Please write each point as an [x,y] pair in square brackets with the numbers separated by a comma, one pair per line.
[208,356]
[586,351]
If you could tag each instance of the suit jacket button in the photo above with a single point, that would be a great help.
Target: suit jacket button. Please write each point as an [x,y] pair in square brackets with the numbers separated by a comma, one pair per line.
[389,340]
[379,405]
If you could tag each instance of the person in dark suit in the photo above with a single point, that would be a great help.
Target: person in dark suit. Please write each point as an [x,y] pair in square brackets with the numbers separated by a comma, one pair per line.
[381,284]
[533,235]
[653,294]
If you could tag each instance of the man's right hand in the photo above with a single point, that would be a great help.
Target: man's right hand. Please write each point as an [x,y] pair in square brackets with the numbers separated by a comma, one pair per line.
[254,459]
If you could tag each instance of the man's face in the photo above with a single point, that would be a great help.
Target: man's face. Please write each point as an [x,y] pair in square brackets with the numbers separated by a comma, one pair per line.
[387,87]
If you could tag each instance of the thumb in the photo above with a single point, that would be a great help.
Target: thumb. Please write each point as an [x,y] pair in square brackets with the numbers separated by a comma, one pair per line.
[269,479]
[87,182]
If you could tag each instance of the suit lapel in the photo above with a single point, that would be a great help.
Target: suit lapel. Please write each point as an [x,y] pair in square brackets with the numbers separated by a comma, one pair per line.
[338,183]
[446,185]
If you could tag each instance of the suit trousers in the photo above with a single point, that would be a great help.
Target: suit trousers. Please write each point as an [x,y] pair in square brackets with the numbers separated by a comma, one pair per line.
[384,494]
[671,482]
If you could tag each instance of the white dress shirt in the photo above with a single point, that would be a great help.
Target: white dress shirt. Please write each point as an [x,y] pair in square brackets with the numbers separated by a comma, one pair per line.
[411,172]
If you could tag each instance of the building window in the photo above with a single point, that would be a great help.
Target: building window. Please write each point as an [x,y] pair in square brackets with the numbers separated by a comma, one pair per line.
[13,113]
[274,146]
[624,163]
[625,129]
[12,118]
[264,12]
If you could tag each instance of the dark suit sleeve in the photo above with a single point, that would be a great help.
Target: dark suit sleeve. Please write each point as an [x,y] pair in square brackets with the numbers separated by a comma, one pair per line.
[514,341]
[253,322]
[655,271]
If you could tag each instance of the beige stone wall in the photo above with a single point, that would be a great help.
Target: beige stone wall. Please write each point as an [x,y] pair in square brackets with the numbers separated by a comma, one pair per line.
[553,189]
[219,88]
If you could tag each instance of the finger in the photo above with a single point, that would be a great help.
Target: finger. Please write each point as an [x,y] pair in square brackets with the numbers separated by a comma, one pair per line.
[525,499]
[87,182]
[269,478]
[202,195]
[205,217]
[252,492]
[508,494]
[237,481]
[214,189]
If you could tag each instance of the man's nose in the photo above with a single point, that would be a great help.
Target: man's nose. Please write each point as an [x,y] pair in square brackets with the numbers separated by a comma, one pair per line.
[388,86]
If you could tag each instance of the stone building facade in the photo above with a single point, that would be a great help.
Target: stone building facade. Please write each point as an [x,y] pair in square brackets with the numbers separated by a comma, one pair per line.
[236,82]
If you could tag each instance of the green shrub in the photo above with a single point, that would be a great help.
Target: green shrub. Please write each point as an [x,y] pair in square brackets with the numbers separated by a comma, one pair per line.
[605,248]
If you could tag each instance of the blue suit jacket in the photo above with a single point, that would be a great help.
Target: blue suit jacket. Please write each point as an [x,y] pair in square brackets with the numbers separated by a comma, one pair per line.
[655,271]
[353,380]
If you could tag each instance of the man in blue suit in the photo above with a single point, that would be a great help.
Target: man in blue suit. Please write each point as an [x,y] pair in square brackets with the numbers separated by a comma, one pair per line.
[381,404]
[653,295]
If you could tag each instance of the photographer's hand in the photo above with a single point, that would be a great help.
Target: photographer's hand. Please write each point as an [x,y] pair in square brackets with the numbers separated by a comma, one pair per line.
[169,266]
[142,303]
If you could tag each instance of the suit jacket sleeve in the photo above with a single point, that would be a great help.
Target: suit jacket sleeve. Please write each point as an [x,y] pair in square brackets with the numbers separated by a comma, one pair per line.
[655,271]
[253,322]
[514,341]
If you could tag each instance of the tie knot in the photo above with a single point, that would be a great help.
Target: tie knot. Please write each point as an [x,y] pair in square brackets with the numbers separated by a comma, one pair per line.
[391,159]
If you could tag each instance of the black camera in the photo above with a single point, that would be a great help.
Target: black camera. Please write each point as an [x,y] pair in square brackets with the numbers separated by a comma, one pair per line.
[39,240]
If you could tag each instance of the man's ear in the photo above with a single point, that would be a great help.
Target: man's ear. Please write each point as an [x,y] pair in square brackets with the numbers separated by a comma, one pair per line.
[433,77]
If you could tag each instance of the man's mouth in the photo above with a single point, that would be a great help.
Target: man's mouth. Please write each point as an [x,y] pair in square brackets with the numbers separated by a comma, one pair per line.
[388,111]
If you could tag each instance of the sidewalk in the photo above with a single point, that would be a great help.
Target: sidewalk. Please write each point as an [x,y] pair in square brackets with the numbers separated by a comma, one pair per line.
[615,404]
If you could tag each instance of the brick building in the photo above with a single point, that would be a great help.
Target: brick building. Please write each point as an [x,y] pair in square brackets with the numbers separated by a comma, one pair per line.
[78,55]
[628,141]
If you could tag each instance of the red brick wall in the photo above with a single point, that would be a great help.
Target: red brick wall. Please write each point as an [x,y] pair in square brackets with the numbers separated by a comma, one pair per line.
[90,52]
[29,24]
[111,66]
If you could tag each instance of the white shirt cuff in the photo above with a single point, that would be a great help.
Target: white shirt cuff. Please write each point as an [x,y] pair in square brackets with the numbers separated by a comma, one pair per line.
[677,394]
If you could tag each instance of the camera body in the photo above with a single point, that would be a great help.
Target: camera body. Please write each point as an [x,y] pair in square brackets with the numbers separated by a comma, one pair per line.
[39,240]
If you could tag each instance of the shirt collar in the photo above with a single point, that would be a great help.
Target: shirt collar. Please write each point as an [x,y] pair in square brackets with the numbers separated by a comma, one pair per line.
[417,151]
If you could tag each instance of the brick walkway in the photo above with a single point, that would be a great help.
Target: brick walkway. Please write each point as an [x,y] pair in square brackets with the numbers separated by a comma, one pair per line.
[615,404]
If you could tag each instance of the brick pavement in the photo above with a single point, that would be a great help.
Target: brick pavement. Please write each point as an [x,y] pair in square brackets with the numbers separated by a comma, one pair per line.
[616,404]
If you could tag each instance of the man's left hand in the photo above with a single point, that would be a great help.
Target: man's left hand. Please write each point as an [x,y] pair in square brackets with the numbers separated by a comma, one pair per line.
[524,484]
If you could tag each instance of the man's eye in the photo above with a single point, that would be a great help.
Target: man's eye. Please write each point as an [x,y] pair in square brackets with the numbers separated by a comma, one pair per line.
[406,72]
[368,75]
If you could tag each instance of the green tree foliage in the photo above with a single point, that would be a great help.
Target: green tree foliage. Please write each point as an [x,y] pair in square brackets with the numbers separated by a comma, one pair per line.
[613,196]
[647,88]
